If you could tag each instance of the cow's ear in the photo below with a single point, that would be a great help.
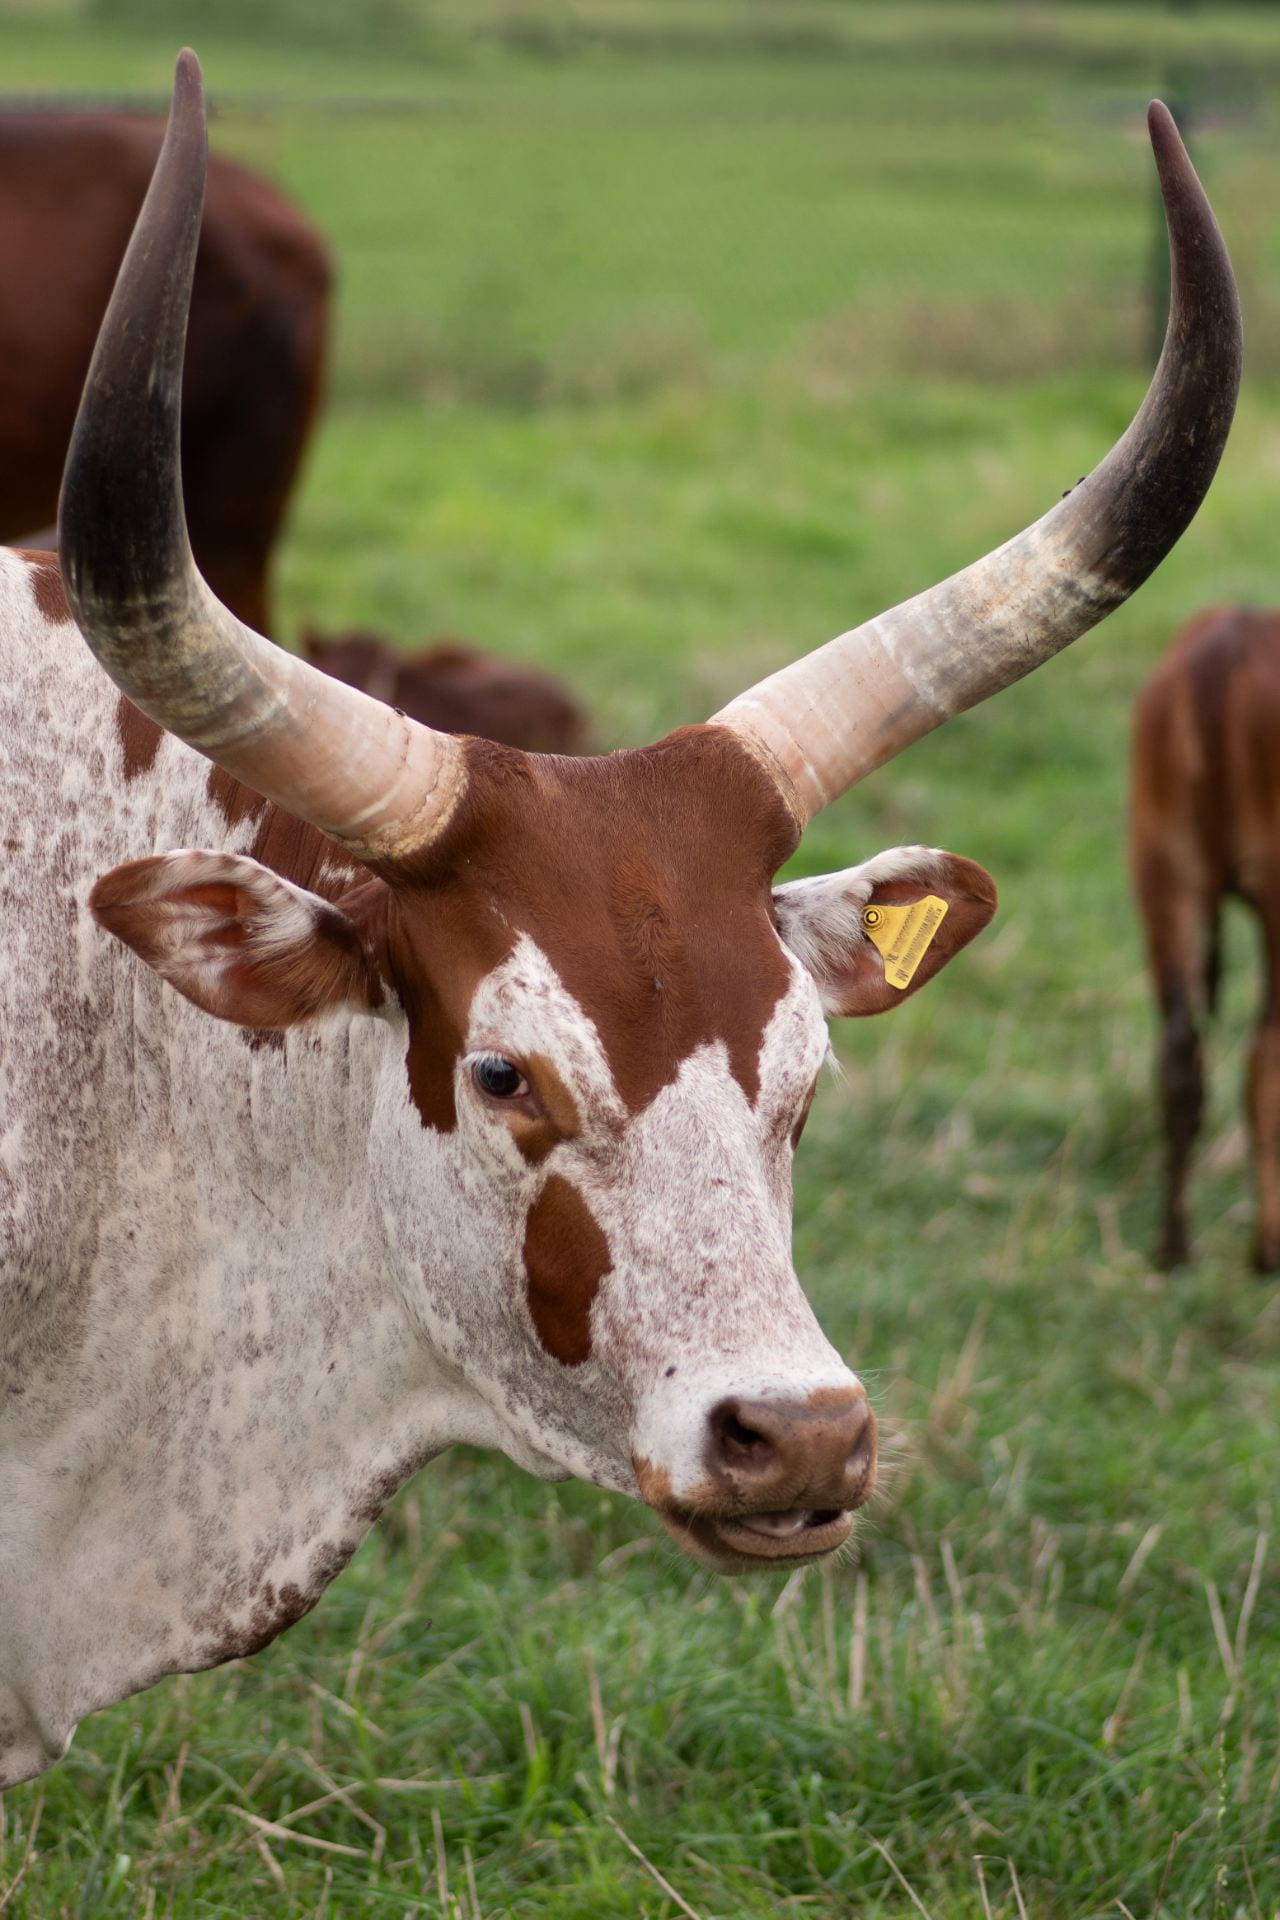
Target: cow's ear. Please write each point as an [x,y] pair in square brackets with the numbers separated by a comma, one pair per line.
[872,935]
[236,939]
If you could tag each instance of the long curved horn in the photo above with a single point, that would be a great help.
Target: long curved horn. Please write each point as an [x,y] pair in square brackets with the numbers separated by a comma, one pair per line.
[824,722]
[373,781]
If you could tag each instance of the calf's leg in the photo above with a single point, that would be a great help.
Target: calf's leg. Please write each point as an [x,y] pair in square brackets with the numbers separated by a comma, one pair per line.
[1181,1073]
[1264,1107]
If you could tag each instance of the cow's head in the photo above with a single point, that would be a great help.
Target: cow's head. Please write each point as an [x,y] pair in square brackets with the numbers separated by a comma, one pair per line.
[606,1019]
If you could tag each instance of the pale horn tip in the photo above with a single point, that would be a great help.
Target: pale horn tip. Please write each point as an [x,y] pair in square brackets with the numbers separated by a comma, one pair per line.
[1178,181]
[1173,163]
[1203,284]
[188,81]
[1183,195]
[1160,123]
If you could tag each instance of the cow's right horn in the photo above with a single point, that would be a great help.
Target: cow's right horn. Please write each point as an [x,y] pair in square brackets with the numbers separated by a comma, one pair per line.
[377,783]
[828,719]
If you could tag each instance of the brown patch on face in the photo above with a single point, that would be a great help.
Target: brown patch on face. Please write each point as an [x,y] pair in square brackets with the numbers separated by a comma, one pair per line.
[533,1137]
[566,1256]
[645,879]
[654,1483]
[139,738]
[829,1399]
[537,1135]
[430,1069]
[705,1497]
[441,940]
[46,586]
[559,1104]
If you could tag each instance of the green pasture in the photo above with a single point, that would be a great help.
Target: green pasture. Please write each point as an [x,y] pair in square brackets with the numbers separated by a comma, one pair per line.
[664,353]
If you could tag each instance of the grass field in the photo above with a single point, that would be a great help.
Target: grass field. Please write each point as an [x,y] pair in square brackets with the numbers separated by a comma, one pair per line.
[658,363]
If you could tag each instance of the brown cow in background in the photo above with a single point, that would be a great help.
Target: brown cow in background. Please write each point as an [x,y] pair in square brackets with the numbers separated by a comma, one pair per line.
[71,184]
[457,689]
[1205,824]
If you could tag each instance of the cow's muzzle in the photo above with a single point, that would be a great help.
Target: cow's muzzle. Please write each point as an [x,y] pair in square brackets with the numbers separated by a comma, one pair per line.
[782,1479]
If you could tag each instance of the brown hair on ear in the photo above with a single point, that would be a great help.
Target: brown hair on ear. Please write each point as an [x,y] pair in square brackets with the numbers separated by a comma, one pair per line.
[825,922]
[237,940]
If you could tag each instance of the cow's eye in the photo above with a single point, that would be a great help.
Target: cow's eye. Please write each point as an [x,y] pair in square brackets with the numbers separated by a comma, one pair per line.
[498,1078]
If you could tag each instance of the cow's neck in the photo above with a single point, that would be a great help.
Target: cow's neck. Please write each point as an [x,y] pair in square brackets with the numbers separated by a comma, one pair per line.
[208,1384]
[212,1407]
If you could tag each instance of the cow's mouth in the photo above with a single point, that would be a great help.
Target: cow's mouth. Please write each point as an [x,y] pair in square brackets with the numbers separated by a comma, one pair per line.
[745,1541]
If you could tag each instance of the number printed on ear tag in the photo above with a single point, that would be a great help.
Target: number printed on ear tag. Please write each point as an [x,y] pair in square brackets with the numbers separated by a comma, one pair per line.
[903,935]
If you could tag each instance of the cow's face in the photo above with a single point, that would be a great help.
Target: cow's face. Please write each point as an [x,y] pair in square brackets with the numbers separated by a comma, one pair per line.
[606,1026]
[605,1043]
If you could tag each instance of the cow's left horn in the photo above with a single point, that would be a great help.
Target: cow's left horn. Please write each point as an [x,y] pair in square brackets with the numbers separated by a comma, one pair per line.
[822,723]
[375,782]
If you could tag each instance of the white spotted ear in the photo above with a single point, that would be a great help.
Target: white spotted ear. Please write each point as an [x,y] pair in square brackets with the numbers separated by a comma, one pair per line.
[236,939]
[874,934]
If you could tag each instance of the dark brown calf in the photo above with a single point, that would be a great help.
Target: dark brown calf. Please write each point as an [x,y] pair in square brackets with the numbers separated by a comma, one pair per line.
[457,689]
[71,185]
[1205,824]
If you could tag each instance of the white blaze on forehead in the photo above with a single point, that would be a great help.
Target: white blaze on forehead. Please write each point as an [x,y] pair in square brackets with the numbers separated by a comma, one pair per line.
[524,1008]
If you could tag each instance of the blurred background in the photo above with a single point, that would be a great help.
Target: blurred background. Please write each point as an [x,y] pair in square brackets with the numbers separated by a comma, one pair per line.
[673,337]
[545,210]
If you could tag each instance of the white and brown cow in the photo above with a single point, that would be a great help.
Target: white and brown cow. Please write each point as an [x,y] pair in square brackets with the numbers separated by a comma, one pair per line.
[472,1114]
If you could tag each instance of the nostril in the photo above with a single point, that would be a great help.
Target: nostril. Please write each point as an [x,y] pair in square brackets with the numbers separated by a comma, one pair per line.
[813,1454]
[738,1444]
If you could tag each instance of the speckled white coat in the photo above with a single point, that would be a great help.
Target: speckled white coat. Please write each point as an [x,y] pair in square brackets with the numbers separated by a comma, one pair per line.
[244,1292]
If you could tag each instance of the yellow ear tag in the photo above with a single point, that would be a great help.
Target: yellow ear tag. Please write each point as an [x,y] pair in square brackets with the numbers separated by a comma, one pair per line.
[904,935]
